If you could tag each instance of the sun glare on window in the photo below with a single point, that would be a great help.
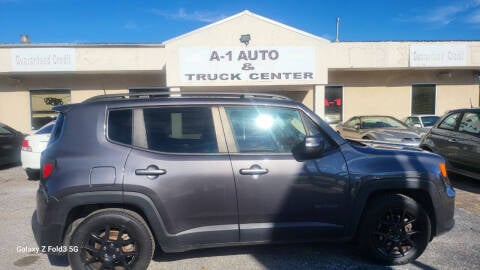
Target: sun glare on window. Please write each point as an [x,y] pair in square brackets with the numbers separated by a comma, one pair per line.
[264,121]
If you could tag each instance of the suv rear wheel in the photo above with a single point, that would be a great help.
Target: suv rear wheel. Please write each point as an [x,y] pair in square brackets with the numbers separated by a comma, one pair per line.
[395,229]
[111,239]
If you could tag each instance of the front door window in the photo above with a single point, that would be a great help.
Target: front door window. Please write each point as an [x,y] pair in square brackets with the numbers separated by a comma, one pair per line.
[274,130]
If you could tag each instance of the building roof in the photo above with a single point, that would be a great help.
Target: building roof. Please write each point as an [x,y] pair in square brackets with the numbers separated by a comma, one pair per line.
[249,14]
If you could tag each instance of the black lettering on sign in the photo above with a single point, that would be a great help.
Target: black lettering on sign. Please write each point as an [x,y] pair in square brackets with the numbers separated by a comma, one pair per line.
[229,54]
[251,55]
[242,56]
[248,66]
[308,75]
[214,56]
[273,55]
[212,77]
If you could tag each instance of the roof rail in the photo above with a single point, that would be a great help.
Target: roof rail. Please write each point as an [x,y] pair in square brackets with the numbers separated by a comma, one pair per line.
[177,94]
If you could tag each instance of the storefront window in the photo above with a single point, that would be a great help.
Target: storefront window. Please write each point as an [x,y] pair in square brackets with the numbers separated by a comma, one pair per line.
[333,104]
[423,99]
[42,101]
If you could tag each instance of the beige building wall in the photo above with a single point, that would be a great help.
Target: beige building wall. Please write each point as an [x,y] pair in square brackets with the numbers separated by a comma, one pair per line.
[120,58]
[14,109]
[389,55]
[15,91]
[451,97]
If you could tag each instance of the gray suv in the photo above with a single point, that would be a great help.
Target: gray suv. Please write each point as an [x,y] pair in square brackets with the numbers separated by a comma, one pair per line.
[124,175]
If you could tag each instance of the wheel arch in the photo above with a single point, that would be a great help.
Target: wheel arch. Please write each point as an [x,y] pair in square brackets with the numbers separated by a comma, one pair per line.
[421,195]
[81,205]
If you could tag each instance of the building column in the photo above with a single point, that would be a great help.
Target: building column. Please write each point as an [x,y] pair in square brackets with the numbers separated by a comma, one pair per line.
[318,106]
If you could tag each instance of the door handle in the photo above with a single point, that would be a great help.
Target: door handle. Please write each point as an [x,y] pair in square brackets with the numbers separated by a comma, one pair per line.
[254,170]
[452,140]
[151,171]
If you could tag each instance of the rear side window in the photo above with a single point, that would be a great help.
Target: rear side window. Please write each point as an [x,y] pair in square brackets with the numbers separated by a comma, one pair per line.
[470,123]
[120,126]
[429,121]
[412,121]
[352,123]
[4,131]
[180,130]
[47,129]
[450,122]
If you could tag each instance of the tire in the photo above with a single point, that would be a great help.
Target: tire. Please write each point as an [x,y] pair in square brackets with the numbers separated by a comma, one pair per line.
[394,230]
[128,244]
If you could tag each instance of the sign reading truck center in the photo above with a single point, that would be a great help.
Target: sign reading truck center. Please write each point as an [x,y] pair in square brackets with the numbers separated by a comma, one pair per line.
[230,64]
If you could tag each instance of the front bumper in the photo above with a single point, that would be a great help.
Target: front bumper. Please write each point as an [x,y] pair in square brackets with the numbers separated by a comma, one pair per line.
[445,210]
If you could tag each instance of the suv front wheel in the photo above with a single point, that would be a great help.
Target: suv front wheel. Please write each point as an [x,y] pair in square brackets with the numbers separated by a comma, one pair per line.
[395,229]
[111,239]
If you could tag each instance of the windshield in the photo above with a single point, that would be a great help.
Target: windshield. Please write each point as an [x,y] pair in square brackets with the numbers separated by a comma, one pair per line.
[381,122]
[429,121]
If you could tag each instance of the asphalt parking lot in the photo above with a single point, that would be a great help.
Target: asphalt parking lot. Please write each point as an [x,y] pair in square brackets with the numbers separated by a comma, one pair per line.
[458,249]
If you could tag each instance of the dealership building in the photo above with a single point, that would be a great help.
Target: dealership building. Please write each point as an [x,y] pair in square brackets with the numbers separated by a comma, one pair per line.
[245,53]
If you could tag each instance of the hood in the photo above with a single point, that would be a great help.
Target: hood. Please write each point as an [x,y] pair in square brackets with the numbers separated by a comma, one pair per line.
[402,136]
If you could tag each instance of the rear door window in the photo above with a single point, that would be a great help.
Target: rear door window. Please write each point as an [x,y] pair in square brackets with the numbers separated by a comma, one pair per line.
[450,122]
[470,123]
[180,129]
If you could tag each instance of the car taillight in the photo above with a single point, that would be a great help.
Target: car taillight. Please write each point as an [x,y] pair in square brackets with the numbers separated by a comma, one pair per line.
[26,146]
[47,169]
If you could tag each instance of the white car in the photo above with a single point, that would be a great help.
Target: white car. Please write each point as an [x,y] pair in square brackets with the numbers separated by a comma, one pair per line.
[421,122]
[32,147]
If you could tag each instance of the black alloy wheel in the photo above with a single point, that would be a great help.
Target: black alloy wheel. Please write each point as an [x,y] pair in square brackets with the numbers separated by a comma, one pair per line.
[395,229]
[111,239]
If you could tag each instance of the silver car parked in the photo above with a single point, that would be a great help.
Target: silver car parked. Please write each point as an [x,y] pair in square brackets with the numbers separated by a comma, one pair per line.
[379,128]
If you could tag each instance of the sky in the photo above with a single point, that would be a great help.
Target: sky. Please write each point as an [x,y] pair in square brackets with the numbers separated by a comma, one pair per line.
[148,21]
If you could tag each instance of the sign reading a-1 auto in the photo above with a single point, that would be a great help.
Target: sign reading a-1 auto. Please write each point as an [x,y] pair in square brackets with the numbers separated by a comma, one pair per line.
[230,64]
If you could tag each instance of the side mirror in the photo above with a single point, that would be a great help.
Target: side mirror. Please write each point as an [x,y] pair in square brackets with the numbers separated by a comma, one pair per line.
[357,126]
[417,125]
[312,147]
